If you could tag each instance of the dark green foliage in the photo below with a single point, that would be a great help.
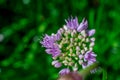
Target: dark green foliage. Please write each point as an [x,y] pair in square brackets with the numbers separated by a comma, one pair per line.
[24,22]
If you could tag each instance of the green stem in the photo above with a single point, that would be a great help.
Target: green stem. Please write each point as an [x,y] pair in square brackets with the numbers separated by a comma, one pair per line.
[87,70]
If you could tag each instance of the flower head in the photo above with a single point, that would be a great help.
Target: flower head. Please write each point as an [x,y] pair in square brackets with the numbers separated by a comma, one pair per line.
[72,46]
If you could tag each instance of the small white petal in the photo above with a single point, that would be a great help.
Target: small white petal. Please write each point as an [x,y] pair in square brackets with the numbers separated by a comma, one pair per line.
[80,62]
[80,56]
[65,27]
[79,37]
[82,51]
[83,33]
[77,52]
[85,48]
[77,48]
[92,39]
[90,48]
[71,40]
[92,44]
[87,40]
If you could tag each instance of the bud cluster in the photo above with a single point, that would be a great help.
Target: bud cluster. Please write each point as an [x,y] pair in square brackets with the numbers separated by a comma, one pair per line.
[72,46]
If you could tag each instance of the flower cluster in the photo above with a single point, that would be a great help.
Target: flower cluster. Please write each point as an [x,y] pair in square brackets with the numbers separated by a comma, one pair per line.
[71,47]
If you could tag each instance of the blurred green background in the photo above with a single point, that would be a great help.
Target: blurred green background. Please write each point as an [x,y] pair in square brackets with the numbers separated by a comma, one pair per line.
[23,23]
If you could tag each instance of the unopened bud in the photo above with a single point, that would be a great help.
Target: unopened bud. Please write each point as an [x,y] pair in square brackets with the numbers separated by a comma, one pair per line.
[54,58]
[77,48]
[80,56]
[83,33]
[72,34]
[69,59]
[75,68]
[62,58]
[77,52]
[57,65]
[68,48]
[54,62]
[60,46]
[70,63]
[79,37]
[76,39]
[80,62]
[85,48]
[87,40]
[76,58]
[65,34]
[74,31]
[71,45]
[71,50]
[70,54]
[92,44]
[52,34]
[79,43]
[90,48]
[84,45]
[92,39]
[82,51]
[65,62]
[66,41]
[73,55]
[68,31]
[83,39]
[75,44]
[66,58]
[65,27]
[71,40]
[63,54]
[61,30]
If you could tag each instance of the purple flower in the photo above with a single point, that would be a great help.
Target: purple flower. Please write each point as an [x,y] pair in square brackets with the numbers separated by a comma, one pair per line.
[71,46]
[47,42]
[89,57]
[83,25]
[84,65]
[91,32]
[72,23]
[64,71]
[57,36]
[55,51]
[56,64]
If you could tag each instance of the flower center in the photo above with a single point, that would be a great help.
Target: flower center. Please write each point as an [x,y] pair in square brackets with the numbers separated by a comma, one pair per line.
[73,46]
